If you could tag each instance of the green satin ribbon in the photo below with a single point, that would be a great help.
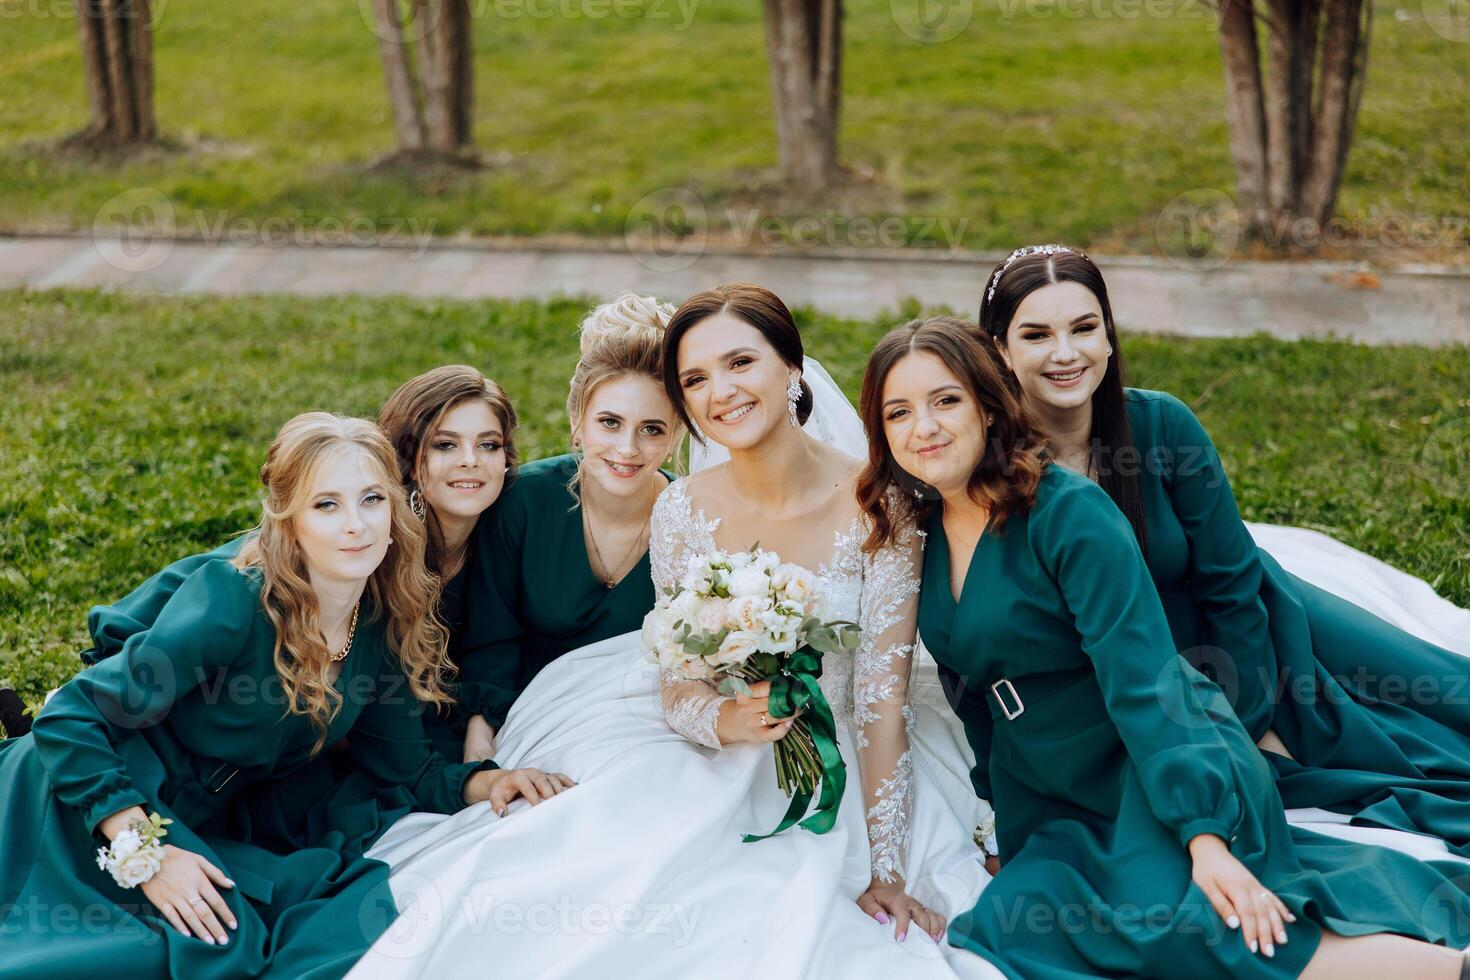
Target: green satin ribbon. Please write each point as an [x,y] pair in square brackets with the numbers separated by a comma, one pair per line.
[796,689]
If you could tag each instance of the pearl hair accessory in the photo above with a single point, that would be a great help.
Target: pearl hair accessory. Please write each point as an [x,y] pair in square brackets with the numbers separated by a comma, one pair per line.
[1024,251]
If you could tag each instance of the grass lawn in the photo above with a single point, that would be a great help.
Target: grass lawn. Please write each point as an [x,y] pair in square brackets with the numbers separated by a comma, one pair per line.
[134,428]
[1028,125]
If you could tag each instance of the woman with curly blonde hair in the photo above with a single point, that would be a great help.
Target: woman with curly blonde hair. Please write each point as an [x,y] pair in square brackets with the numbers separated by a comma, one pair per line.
[319,628]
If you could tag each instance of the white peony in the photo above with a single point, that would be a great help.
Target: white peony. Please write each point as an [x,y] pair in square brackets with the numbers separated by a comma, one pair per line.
[711,614]
[684,608]
[795,582]
[658,633]
[745,613]
[738,646]
[751,580]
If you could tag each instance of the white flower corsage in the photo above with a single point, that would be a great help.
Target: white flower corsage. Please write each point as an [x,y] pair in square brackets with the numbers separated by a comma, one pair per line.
[136,854]
[985,835]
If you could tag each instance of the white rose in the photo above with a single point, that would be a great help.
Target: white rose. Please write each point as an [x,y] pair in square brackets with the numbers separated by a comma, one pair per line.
[137,867]
[798,584]
[711,615]
[658,633]
[751,580]
[126,843]
[684,608]
[745,613]
[737,648]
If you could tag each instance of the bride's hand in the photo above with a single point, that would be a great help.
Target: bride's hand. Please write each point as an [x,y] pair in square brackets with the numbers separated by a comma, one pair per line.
[746,718]
[501,786]
[885,900]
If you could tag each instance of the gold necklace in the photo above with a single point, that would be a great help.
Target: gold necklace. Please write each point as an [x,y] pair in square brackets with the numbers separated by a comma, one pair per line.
[607,578]
[337,658]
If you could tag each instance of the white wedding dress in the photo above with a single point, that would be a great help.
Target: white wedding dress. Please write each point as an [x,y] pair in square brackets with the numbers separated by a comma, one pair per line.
[640,869]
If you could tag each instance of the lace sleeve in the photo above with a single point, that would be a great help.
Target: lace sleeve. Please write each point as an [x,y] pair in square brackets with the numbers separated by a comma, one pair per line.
[881,713]
[691,707]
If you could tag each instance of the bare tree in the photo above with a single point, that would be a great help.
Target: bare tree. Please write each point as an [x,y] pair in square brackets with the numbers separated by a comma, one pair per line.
[804,45]
[117,54]
[1292,122]
[428,67]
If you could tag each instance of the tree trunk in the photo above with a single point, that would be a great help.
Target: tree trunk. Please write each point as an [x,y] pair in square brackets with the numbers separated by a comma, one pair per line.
[431,101]
[804,45]
[116,38]
[1344,64]
[1289,142]
[403,97]
[1243,108]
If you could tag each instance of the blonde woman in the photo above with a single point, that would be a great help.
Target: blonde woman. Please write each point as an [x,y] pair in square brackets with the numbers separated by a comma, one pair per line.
[318,628]
[567,551]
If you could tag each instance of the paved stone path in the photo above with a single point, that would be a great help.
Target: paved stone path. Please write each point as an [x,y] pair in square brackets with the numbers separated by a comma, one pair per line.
[1429,305]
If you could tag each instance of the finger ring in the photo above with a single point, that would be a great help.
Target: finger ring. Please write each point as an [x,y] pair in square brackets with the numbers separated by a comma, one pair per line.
[1263,895]
[196,901]
[763,719]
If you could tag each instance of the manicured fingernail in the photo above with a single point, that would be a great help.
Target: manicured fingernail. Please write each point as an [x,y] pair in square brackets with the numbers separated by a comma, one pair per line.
[1270,950]
[1233,922]
[881,916]
[501,811]
[1281,936]
[229,883]
[1290,917]
[209,939]
[902,936]
[1254,947]
[936,937]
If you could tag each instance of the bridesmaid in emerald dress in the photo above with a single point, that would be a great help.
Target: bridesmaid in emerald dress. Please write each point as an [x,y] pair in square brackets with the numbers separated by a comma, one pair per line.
[1359,716]
[1138,823]
[567,551]
[319,628]
[453,431]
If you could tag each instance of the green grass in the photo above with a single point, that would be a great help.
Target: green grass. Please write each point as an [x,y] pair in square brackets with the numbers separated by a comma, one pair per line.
[133,428]
[1024,127]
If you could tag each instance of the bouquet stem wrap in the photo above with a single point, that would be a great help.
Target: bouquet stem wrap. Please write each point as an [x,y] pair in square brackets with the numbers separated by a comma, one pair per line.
[808,754]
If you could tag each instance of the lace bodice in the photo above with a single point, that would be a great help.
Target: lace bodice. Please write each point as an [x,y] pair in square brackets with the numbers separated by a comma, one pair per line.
[868,688]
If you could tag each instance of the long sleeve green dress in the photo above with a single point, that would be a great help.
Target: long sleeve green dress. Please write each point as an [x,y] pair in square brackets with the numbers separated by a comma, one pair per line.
[1104,753]
[184,720]
[533,561]
[1376,719]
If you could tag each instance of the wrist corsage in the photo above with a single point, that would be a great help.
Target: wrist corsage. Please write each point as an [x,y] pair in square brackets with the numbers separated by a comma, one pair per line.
[136,854]
[985,835]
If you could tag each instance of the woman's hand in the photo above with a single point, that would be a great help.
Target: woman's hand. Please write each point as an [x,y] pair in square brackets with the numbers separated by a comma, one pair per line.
[885,900]
[184,891]
[501,786]
[747,719]
[479,740]
[1237,896]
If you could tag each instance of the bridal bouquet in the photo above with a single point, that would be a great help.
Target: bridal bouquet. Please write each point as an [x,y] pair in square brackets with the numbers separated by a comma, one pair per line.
[746,617]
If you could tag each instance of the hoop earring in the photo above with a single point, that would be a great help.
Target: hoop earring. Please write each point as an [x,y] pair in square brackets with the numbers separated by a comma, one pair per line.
[793,395]
[416,504]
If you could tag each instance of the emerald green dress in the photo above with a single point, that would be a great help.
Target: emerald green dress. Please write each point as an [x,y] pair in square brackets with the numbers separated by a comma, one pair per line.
[1299,660]
[111,625]
[183,721]
[1120,754]
[534,563]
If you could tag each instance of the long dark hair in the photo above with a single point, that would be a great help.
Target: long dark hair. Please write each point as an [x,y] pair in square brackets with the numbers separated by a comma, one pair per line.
[1009,471]
[758,307]
[1008,285]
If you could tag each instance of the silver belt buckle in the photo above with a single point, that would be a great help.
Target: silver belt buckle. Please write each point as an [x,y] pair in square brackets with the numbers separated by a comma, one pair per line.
[1020,705]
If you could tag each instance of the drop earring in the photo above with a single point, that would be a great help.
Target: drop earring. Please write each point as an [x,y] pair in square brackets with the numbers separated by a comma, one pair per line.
[793,395]
[416,504]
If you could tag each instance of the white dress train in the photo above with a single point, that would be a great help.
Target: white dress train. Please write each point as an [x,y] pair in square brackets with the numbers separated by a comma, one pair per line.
[640,869]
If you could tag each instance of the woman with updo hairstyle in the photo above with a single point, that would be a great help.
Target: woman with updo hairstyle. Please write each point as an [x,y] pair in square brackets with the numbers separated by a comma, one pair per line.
[1138,825]
[319,628]
[567,551]
[1356,715]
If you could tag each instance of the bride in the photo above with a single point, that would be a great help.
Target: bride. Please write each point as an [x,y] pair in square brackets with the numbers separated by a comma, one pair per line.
[642,868]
